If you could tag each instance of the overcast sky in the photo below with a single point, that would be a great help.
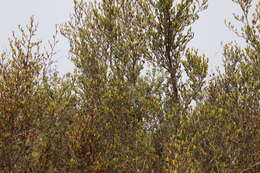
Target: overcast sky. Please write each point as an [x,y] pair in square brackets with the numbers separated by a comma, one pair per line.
[209,29]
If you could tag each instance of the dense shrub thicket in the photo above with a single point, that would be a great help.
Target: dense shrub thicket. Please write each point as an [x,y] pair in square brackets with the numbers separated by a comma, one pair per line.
[138,100]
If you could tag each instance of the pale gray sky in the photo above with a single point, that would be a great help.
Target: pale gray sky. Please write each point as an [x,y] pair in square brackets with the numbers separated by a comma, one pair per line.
[209,29]
[47,13]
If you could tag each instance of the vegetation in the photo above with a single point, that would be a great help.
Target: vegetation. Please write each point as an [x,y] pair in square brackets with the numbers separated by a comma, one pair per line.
[138,100]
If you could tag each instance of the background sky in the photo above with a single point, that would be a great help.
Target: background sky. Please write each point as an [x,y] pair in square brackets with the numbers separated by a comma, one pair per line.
[209,30]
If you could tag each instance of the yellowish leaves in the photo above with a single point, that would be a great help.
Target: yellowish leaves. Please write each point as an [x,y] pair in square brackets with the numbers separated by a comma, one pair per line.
[35,154]
[73,161]
[7,134]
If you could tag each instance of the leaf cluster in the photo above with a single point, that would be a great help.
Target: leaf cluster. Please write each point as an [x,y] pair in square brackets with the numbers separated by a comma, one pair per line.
[138,100]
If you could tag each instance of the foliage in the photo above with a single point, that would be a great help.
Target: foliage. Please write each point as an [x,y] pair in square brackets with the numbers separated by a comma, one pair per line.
[138,100]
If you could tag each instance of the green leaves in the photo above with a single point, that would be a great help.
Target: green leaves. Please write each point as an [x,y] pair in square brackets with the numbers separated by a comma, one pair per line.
[138,100]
